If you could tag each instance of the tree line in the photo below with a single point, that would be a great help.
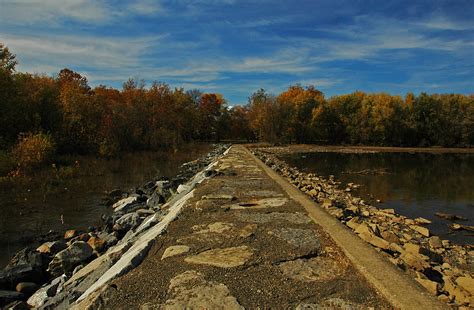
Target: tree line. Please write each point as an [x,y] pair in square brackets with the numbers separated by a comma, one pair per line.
[304,115]
[79,119]
[64,112]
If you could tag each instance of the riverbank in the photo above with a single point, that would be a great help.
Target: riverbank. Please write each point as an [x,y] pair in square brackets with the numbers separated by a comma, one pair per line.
[61,256]
[444,269]
[308,148]
[73,193]
[246,240]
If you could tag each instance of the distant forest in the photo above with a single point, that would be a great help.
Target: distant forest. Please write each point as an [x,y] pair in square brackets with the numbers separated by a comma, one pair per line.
[67,114]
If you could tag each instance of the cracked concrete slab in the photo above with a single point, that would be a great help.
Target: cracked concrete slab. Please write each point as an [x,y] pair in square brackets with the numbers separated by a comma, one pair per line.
[236,261]
[313,269]
[190,290]
[295,218]
[224,258]
[258,203]
[175,250]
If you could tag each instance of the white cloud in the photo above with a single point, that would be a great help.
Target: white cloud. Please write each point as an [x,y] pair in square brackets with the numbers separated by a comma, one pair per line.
[56,52]
[146,7]
[52,11]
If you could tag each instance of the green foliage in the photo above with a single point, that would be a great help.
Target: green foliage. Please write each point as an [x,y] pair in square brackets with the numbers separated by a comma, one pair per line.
[33,150]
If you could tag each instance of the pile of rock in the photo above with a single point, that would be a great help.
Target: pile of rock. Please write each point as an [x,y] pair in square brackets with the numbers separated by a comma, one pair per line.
[39,277]
[445,269]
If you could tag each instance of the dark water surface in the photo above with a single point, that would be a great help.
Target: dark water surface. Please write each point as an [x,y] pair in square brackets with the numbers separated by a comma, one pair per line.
[414,184]
[35,206]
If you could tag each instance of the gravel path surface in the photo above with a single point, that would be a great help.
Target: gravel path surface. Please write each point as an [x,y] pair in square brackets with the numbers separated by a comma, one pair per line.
[242,242]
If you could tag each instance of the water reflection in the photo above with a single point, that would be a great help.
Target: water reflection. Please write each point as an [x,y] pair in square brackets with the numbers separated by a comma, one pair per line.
[414,184]
[74,201]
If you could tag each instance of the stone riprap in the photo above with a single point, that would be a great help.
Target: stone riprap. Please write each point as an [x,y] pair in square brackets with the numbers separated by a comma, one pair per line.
[438,265]
[64,268]
[231,237]
[240,242]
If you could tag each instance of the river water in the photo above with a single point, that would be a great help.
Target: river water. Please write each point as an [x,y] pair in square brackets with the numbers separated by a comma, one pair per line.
[47,201]
[414,184]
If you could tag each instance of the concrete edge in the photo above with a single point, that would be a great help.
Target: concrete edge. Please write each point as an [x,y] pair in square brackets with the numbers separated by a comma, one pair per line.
[141,242]
[398,288]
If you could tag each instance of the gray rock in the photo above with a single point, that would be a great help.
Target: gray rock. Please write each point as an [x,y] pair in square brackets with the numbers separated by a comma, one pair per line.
[155,200]
[30,257]
[67,259]
[10,276]
[128,204]
[128,221]
[110,239]
[17,305]
[39,297]
[163,188]
[7,297]
[145,212]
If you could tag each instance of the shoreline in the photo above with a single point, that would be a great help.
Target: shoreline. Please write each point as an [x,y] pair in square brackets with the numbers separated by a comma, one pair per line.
[75,196]
[438,265]
[313,148]
[55,272]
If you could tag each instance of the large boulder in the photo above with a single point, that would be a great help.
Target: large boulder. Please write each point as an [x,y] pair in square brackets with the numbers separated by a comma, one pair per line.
[11,276]
[67,259]
[28,256]
[43,294]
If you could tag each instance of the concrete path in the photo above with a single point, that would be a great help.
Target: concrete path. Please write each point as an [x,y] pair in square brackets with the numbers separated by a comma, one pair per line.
[246,240]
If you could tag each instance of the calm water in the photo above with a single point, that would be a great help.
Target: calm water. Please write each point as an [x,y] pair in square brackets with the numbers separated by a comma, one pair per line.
[36,206]
[414,184]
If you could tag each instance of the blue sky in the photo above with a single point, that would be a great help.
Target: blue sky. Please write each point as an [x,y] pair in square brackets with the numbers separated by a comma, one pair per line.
[236,47]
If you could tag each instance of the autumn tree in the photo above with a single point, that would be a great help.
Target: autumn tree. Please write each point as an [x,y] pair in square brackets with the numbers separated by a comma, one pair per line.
[7,95]
[295,107]
[210,110]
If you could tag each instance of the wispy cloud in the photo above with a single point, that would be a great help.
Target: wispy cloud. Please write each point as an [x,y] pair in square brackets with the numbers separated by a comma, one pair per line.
[53,11]
[58,51]
[236,47]
[146,7]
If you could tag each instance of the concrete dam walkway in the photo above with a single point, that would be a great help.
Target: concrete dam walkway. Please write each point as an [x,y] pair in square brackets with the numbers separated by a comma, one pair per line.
[248,239]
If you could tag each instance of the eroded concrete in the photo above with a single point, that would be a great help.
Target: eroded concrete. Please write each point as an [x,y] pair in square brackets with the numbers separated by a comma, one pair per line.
[250,245]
